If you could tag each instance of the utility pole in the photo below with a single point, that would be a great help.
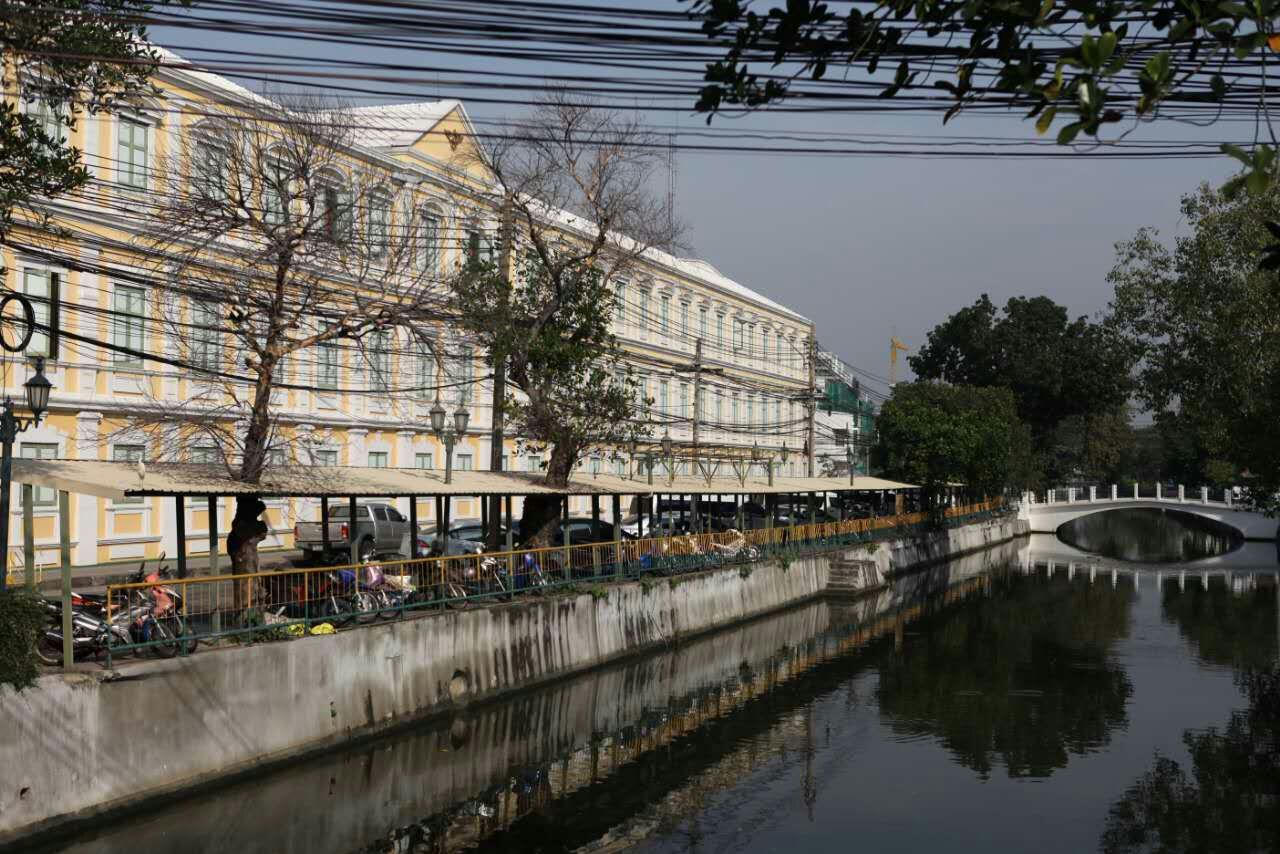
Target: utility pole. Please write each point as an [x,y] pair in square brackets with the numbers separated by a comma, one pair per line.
[497,439]
[697,394]
[696,367]
[813,391]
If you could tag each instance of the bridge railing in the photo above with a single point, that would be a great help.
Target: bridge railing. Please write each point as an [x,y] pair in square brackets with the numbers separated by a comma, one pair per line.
[1172,493]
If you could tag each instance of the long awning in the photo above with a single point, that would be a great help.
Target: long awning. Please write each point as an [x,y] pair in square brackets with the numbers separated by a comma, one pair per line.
[125,480]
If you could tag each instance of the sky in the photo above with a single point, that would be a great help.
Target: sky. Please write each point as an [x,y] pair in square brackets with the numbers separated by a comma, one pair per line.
[866,246]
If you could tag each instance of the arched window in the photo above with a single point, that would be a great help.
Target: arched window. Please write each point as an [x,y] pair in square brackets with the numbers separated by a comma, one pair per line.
[378,226]
[275,189]
[429,239]
[135,137]
[337,207]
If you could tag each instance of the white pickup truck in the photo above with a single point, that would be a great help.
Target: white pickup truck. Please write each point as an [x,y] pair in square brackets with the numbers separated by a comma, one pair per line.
[380,529]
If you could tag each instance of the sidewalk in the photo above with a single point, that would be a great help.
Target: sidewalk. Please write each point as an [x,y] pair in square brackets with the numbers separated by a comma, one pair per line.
[95,578]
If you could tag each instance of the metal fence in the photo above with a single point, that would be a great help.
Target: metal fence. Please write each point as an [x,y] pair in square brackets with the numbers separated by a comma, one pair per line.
[276,604]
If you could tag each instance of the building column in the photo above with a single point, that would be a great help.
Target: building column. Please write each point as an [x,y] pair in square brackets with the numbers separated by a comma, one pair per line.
[403,459]
[87,507]
[357,451]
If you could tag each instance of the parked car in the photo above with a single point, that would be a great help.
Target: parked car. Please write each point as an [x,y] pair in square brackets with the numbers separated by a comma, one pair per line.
[466,536]
[669,523]
[380,528]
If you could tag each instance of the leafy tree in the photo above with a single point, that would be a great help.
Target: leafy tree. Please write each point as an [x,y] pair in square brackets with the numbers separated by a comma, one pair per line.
[63,58]
[1205,320]
[575,181]
[935,434]
[1086,65]
[1055,367]
[1094,445]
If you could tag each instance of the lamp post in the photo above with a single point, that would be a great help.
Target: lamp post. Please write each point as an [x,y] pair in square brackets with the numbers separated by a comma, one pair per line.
[37,389]
[451,435]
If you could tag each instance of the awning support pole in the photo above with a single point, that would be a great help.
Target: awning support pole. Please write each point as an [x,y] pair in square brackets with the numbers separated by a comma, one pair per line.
[353,532]
[64,549]
[180,525]
[29,535]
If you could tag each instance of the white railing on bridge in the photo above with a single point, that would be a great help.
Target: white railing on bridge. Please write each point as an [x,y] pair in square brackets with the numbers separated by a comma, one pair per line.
[1174,494]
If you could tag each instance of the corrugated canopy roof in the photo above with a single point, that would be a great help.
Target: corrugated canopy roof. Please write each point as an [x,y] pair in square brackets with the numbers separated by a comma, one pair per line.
[121,480]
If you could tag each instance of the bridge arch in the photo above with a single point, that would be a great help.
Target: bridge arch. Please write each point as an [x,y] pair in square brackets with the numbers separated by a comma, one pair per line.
[1047,518]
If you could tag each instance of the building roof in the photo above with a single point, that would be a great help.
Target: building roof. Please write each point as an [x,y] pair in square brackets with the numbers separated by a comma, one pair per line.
[120,480]
[182,66]
[698,269]
[399,125]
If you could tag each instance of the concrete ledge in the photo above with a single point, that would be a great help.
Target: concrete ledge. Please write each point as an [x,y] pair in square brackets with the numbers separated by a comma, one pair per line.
[78,745]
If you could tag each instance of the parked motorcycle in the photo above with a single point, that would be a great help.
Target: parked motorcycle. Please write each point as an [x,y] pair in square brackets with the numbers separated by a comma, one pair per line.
[141,616]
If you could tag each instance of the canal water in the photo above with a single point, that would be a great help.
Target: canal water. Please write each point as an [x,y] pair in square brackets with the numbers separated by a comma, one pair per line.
[1003,702]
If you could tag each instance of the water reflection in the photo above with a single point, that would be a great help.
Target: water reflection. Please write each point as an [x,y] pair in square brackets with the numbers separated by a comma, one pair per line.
[1230,621]
[1150,535]
[1022,678]
[1229,800]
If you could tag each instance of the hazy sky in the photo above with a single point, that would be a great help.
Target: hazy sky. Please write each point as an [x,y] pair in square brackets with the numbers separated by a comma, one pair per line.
[866,246]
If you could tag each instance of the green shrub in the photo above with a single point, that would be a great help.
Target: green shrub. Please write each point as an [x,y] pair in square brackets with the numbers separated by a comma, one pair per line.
[22,619]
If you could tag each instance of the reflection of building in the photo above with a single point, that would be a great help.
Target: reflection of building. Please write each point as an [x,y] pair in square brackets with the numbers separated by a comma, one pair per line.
[97,282]
[693,776]
[844,420]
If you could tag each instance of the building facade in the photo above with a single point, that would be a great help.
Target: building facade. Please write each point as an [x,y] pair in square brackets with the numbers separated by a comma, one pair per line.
[845,419]
[726,368]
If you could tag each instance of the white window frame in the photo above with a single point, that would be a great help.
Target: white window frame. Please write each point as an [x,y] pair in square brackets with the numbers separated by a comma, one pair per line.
[128,329]
[128,173]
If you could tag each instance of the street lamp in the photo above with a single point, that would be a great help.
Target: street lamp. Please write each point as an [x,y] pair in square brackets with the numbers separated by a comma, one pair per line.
[37,390]
[449,436]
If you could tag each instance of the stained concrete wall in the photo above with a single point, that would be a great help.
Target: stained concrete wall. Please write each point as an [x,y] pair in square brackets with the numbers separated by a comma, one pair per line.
[79,744]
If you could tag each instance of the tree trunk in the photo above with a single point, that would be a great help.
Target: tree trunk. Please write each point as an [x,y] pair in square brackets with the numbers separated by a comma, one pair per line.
[247,527]
[540,520]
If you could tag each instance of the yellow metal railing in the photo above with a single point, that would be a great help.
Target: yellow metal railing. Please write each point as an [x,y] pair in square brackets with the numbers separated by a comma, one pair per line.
[249,604]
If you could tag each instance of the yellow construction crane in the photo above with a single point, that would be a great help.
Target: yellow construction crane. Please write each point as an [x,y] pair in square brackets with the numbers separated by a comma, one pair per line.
[894,346]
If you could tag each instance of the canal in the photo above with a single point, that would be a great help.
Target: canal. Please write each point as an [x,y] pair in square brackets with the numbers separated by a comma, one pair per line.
[1003,702]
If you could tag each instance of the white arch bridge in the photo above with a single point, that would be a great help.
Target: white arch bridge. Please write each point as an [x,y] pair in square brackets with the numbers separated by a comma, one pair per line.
[1052,510]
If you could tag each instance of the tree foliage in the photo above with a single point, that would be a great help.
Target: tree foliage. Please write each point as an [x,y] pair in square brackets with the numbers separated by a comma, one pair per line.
[1082,66]
[70,57]
[1205,321]
[1056,368]
[575,182]
[934,434]
[22,619]
[569,388]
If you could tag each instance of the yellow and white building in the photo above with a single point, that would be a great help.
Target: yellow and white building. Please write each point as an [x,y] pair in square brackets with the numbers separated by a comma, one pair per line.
[755,360]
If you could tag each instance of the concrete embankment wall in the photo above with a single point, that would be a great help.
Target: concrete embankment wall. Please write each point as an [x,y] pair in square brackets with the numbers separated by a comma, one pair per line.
[79,744]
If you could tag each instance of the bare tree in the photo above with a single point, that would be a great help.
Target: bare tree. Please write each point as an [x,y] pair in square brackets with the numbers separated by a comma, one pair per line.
[575,184]
[278,244]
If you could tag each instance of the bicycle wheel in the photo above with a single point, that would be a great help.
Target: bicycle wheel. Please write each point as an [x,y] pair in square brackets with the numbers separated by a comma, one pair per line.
[49,650]
[388,604]
[455,594]
[335,611]
[365,606]
[163,642]
[178,628]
